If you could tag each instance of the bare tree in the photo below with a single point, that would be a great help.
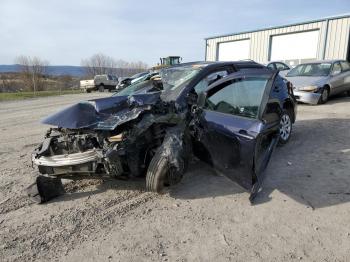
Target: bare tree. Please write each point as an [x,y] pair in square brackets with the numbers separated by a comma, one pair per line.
[33,70]
[99,64]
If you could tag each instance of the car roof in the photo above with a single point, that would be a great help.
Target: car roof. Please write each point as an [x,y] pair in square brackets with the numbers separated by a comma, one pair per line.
[324,61]
[242,63]
[246,73]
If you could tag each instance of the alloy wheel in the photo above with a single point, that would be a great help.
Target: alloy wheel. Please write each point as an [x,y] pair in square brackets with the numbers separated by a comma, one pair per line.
[285,127]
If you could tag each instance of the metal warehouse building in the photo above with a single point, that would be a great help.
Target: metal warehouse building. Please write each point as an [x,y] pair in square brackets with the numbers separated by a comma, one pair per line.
[326,38]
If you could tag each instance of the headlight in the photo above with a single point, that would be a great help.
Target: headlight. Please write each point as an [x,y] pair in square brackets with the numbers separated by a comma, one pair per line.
[308,88]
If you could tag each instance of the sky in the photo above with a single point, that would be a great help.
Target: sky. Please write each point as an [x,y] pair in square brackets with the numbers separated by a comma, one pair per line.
[66,31]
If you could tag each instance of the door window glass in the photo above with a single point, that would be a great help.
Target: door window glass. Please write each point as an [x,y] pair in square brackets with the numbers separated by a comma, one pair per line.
[242,97]
[271,66]
[208,80]
[336,68]
[281,66]
[345,66]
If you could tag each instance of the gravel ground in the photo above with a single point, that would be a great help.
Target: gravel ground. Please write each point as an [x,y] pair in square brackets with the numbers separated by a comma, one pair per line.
[302,213]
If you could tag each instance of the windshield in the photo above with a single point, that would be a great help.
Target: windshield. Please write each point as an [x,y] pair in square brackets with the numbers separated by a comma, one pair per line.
[174,77]
[314,69]
[139,75]
[135,86]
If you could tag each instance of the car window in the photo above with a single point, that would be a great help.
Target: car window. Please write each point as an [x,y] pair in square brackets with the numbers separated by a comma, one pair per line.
[345,66]
[209,79]
[312,69]
[336,68]
[271,66]
[281,66]
[241,97]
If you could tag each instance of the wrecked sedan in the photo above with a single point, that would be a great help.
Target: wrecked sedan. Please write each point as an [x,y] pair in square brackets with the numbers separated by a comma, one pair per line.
[231,120]
[315,82]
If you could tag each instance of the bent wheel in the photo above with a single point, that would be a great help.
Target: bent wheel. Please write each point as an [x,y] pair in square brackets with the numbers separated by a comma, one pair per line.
[162,174]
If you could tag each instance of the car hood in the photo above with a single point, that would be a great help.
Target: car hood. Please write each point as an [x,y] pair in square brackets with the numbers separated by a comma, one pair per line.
[302,81]
[104,113]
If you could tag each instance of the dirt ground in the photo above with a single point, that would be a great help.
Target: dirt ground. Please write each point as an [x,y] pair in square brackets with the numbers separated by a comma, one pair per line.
[302,213]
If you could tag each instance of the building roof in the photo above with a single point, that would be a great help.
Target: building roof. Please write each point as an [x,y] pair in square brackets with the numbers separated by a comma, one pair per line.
[281,26]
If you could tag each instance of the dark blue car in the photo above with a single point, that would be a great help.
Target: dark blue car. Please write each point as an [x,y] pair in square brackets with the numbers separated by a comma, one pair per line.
[228,114]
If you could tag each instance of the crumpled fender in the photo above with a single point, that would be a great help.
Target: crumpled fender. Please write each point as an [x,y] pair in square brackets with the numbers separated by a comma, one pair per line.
[176,147]
[102,114]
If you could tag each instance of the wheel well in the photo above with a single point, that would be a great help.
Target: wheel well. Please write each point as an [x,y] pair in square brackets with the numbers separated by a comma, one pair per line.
[328,88]
[289,107]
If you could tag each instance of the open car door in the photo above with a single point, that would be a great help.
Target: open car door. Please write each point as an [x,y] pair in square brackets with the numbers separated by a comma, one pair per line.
[237,126]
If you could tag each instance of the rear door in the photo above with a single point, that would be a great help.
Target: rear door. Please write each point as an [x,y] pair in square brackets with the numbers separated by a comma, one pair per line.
[346,71]
[337,79]
[232,134]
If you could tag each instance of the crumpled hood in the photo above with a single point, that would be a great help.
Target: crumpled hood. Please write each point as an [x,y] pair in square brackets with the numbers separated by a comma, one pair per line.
[104,113]
[302,81]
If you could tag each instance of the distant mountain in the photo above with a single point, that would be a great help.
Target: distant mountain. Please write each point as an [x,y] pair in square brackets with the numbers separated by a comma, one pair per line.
[76,71]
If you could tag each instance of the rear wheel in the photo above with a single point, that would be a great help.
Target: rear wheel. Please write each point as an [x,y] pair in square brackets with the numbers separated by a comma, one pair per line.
[348,93]
[324,96]
[285,127]
[101,88]
[161,173]
[88,91]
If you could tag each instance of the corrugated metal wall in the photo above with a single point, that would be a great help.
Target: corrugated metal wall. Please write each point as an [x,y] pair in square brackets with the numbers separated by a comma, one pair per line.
[337,39]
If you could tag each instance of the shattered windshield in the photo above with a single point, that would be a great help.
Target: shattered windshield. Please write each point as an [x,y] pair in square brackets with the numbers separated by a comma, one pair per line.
[135,86]
[314,69]
[174,77]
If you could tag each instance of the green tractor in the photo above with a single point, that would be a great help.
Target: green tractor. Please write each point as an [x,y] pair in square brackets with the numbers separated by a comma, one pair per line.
[168,61]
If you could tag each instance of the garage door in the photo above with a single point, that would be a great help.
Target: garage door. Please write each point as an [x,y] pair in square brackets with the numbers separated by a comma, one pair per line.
[235,50]
[298,46]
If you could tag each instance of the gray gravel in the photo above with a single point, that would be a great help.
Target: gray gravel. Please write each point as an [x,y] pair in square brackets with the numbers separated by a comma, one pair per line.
[302,212]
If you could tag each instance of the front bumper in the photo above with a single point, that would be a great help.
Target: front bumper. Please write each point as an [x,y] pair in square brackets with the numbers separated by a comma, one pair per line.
[307,97]
[66,160]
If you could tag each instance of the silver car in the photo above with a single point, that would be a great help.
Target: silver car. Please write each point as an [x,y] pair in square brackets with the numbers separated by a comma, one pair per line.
[315,82]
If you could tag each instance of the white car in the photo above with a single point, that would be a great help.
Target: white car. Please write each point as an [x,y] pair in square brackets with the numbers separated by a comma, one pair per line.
[100,83]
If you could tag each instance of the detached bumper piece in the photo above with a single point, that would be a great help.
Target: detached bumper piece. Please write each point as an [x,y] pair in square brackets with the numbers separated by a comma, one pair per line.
[307,97]
[45,189]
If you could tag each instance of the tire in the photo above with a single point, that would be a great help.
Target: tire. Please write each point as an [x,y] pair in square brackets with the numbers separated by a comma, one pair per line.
[45,189]
[348,93]
[88,91]
[162,174]
[286,127]
[101,88]
[324,96]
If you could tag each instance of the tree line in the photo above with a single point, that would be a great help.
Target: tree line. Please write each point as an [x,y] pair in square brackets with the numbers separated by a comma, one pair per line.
[33,70]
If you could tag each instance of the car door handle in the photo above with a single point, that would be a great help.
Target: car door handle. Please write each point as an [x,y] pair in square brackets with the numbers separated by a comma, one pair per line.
[245,134]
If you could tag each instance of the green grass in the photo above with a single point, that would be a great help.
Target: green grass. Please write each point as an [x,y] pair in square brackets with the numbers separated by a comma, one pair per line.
[25,95]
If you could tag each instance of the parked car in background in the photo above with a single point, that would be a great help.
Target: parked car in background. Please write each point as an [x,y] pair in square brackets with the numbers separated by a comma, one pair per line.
[230,115]
[126,81]
[315,82]
[100,83]
[282,67]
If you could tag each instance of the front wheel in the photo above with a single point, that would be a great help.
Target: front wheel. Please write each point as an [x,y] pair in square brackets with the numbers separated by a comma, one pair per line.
[161,173]
[324,96]
[101,88]
[285,128]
